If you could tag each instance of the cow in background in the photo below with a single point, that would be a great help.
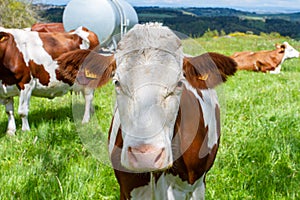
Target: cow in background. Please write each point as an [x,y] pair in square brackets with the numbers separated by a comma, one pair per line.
[48,27]
[265,61]
[27,67]
[165,132]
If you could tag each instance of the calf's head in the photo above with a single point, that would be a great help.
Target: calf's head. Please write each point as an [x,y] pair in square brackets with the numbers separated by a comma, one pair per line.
[288,50]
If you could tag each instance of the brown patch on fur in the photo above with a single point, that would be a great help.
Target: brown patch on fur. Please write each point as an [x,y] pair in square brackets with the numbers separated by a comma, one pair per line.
[39,72]
[213,66]
[13,69]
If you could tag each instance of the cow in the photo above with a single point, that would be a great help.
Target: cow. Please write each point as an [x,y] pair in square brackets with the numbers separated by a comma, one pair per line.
[48,27]
[165,131]
[265,61]
[59,27]
[27,67]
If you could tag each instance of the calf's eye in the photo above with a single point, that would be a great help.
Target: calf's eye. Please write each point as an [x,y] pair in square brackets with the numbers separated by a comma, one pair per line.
[117,83]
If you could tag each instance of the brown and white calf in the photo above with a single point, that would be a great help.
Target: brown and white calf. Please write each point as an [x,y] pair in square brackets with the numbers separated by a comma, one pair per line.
[265,61]
[165,131]
[27,67]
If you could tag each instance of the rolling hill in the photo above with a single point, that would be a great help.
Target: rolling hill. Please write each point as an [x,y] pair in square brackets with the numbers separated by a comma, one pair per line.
[196,21]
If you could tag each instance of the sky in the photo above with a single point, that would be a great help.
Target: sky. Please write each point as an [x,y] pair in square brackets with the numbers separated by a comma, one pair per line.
[263,5]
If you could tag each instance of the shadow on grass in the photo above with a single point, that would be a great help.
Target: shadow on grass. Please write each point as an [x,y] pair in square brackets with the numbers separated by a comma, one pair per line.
[3,127]
[55,114]
[37,116]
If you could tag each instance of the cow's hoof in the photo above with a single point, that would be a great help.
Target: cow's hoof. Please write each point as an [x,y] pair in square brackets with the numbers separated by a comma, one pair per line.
[11,132]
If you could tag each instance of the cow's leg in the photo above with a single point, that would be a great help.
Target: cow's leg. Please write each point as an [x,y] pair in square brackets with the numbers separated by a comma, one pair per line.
[277,70]
[266,69]
[24,104]
[9,109]
[199,192]
[88,94]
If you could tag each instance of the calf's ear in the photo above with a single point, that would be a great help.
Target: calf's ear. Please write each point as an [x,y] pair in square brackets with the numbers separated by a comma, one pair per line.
[85,67]
[208,70]
[282,48]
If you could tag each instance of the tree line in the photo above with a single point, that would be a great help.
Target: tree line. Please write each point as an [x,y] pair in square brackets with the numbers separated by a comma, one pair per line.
[194,25]
[191,21]
[17,14]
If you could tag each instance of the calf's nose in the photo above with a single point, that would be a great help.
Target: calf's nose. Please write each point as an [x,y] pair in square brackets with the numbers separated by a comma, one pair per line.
[146,157]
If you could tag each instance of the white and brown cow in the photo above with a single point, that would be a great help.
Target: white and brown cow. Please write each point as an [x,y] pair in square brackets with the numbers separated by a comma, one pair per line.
[27,67]
[165,131]
[265,61]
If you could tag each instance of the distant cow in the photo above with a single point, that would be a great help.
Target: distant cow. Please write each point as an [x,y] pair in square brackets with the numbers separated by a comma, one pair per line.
[165,131]
[27,67]
[265,61]
[48,27]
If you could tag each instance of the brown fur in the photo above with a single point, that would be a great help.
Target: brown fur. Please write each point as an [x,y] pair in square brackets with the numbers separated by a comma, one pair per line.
[13,69]
[39,72]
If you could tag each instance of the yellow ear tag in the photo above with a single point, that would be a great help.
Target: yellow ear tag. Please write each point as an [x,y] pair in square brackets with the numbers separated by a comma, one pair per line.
[203,78]
[89,74]
[3,38]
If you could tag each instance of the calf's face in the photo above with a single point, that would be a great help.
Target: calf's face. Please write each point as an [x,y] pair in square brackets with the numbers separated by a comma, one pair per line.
[148,85]
[289,51]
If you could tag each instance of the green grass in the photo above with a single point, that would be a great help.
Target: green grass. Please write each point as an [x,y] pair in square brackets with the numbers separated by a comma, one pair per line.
[259,156]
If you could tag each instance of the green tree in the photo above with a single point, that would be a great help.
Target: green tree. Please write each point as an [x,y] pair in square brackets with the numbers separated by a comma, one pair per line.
[16,14]
[209,33]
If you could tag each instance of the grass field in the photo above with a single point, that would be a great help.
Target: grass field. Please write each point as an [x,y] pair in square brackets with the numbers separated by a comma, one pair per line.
[259,156]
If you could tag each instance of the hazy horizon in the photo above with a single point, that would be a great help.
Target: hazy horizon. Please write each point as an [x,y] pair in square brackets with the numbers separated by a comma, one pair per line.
[246,5]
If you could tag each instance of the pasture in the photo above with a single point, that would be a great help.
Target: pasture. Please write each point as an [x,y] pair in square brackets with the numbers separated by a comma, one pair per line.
[259,155]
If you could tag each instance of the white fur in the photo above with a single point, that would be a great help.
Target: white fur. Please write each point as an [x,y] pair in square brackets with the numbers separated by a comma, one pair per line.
[113,135]
[169,187]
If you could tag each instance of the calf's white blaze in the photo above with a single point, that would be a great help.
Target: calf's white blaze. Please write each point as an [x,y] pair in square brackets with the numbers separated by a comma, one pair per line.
[148,96]
[290,52]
